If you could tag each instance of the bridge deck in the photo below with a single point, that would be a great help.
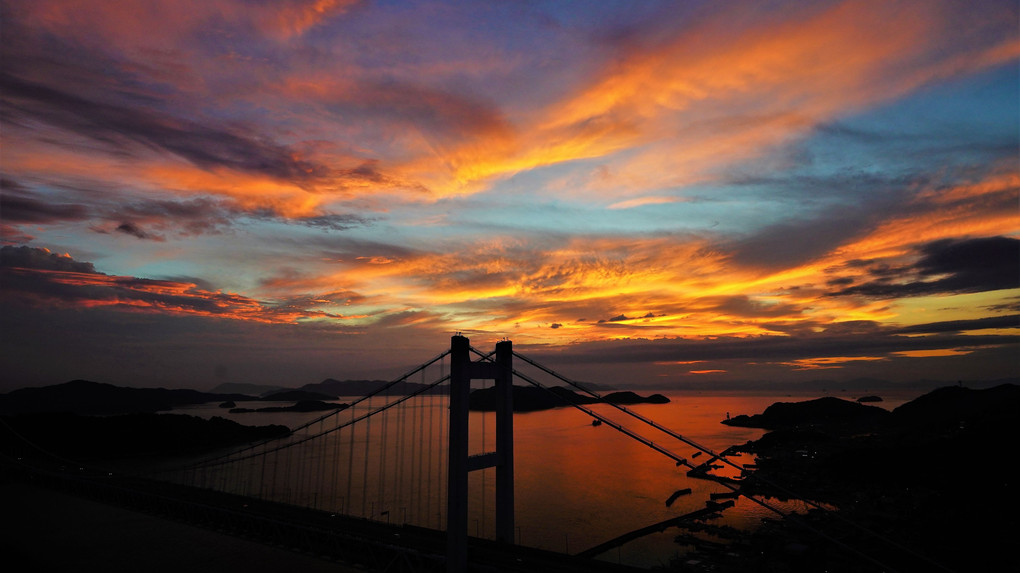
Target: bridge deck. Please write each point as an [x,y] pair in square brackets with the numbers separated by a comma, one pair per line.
[55,531]
[161,527]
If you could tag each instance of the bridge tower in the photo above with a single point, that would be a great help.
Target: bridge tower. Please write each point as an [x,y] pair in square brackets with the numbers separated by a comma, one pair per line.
[462,371]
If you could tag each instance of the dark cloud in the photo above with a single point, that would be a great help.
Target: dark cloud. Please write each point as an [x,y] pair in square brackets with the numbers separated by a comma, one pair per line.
[203,209]
[332,222]
[404,318]
[1011,321]
[123,127]
[799,240]
[867,343]
[841,281]
[948,266]
[337,247]
[144,219]
[302,302]
[945,144]
[18,204]
[1012,306]
[148,219]
[135,231]
[437,113]
[824,212]
[41,259]
[844,131]
[39,277]
[204,215]
[743,306]
[88,91]
[12,235]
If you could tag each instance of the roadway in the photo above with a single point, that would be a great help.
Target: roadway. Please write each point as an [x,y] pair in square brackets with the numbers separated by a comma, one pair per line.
[52,523]
[47,530]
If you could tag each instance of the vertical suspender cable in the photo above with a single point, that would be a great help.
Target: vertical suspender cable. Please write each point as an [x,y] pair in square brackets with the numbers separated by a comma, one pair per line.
[440,400]
[399,461]
[427,436]
[421,459]
[485,494]
[320,491]
[334,467]
[276,466]
[383,452]
[414,486]
[364,473]
[436,438]
[350,466]
[262,477]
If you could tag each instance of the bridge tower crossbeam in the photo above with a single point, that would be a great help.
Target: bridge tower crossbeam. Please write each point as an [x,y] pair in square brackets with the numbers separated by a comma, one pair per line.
[462,372]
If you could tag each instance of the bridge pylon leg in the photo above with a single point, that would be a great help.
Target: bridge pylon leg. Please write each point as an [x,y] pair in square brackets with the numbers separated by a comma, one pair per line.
[504,443]
[462,371]
[457,476]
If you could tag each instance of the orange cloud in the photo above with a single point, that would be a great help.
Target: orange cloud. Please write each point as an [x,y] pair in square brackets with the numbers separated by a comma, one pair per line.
[54,287]
[719,92]
[642,201]
[166,23]
[830,362]
[931,353]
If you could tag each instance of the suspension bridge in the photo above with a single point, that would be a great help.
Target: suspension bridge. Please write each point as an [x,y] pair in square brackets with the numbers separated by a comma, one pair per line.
[407,477]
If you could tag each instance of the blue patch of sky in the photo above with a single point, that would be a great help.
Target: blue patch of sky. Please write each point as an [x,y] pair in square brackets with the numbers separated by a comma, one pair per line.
[956,124]
[697,210]
[878,155]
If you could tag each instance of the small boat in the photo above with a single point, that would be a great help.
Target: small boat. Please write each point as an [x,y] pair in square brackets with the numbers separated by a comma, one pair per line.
[596,423]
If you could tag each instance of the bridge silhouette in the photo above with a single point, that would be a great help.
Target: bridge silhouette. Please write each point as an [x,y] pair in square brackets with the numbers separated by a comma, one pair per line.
[401,454]
[383,480]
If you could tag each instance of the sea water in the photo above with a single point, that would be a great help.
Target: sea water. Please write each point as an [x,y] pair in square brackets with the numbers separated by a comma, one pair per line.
[576,485]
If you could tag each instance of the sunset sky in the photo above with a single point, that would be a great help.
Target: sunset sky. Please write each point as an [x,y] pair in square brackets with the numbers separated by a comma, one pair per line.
[637,193]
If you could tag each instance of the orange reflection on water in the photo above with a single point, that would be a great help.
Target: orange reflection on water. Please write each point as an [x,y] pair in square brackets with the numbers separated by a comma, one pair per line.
[576,485]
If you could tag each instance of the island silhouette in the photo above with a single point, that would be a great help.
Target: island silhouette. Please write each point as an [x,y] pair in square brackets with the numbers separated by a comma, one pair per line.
[923,485]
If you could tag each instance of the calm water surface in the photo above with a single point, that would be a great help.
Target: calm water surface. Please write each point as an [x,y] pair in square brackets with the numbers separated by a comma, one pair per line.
[576,485]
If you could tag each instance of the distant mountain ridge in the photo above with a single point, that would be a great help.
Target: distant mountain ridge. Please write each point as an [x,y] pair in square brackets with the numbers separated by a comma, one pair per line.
[86,397]
[531,398]
[828,410]
[296,395]
[333,387]
[247,389]
[870,385]
[349,387]
[946,406]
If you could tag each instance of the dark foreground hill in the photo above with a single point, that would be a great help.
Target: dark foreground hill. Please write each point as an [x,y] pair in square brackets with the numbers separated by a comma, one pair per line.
[85,397]
[125,436]
[825,411]
[926,487]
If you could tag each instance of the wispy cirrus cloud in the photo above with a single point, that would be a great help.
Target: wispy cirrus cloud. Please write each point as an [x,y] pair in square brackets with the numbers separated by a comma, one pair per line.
[747,178]
[740,81]
[122,127]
